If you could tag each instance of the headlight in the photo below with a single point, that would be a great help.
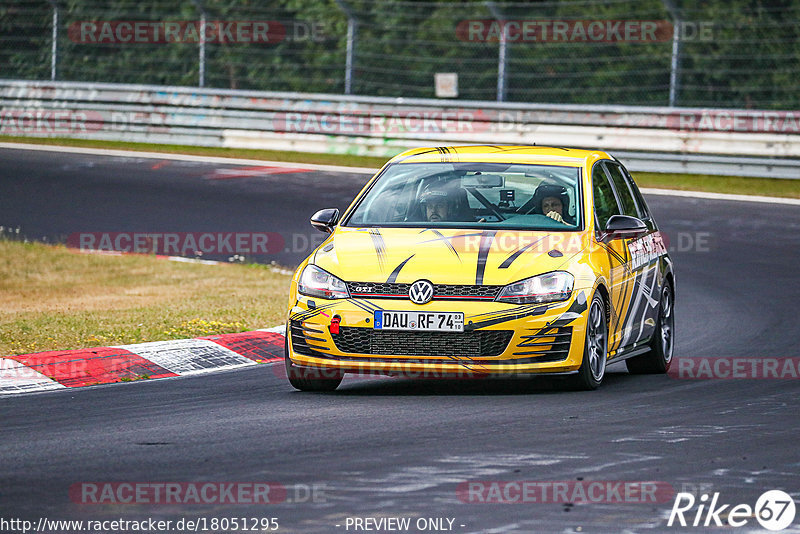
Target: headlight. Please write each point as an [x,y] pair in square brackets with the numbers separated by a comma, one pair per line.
[550,287]
[314,282]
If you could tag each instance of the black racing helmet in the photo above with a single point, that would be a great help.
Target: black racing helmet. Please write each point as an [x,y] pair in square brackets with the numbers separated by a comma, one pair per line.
[551,190]
[450,191]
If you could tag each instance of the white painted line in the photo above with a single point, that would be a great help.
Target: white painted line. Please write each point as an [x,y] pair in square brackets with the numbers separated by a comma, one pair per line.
[18,378]
[353,170]
[185,157]
[181,259]
[721,196]
[189,356]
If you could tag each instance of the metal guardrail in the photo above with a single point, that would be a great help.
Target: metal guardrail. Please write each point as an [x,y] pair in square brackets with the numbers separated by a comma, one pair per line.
[656,139]
[715,165]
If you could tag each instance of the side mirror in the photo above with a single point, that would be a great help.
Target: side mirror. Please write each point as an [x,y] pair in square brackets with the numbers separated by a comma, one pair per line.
[325,220]
[624,226]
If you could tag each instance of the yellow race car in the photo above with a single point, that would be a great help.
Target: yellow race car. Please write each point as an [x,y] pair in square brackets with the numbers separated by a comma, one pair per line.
[485,261]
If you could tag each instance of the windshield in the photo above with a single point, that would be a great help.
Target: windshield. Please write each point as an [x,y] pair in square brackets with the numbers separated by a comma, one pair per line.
[473,195]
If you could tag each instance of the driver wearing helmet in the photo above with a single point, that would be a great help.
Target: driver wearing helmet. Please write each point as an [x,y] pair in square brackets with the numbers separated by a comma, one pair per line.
[553,201]
[436,204]
[440,202]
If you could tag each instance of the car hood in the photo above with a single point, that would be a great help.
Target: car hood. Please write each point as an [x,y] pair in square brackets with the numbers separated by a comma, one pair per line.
[445,256]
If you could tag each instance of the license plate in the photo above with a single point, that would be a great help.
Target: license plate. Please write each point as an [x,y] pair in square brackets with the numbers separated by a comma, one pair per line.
[425,321]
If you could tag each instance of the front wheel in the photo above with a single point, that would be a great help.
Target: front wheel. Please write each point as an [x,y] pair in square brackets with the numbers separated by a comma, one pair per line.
[310,379]
[595,352]
[659,358]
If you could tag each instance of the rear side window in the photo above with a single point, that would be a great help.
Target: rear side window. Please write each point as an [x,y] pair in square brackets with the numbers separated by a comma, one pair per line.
[624,193]
[605,204]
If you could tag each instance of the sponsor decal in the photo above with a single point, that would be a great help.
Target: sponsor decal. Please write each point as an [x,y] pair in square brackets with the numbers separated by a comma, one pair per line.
[645,249]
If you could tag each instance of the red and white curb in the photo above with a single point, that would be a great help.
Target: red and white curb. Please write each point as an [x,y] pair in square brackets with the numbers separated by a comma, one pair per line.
[43,371]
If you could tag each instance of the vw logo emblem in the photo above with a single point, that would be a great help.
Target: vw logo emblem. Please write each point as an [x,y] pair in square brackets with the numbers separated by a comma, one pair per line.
[420,292]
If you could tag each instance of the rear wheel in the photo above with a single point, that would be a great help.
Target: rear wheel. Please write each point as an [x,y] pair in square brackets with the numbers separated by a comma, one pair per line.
[659,358]
[310,379]
[595,352]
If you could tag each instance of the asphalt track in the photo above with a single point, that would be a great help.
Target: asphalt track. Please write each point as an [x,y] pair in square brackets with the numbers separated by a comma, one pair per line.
[400,448]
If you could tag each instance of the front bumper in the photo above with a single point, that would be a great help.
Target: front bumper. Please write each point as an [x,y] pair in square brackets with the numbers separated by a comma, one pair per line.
[498,339]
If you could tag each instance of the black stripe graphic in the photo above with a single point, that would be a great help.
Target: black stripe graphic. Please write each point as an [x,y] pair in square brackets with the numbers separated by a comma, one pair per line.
[483,255]
[380,246]
[448,243]
[365,305]
[537,310]
[509,260]
[302,316]
[393,277]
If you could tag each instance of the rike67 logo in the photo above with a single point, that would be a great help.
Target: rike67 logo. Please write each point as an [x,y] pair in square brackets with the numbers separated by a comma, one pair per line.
[774,510]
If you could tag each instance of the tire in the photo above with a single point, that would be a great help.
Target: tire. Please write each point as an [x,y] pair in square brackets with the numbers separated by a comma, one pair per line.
[310,379]
[659,358]
[595,352]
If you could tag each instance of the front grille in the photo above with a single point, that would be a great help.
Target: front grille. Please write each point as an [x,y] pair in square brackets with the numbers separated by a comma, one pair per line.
[474,344]
[440,291]
[546,344]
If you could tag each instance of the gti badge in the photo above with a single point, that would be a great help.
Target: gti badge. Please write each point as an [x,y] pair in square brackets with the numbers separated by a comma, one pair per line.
[420,292]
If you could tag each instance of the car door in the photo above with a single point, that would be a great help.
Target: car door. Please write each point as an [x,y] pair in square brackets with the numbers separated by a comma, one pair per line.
[638,320]
[606,204]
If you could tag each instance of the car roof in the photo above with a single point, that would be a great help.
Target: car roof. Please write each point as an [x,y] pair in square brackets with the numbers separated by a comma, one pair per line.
[501,153]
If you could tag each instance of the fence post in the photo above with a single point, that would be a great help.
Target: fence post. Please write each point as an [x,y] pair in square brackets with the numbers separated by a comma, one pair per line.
[675,60]
[352,30]
[502,59]
[54,48]
[201,68]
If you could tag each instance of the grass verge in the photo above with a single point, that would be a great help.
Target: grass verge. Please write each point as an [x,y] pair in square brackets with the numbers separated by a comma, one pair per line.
[769,187]
[55,298]
[687,182]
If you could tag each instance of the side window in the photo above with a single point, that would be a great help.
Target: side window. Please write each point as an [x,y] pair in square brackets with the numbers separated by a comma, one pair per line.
[605,205]
[643,209]
[623,191]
